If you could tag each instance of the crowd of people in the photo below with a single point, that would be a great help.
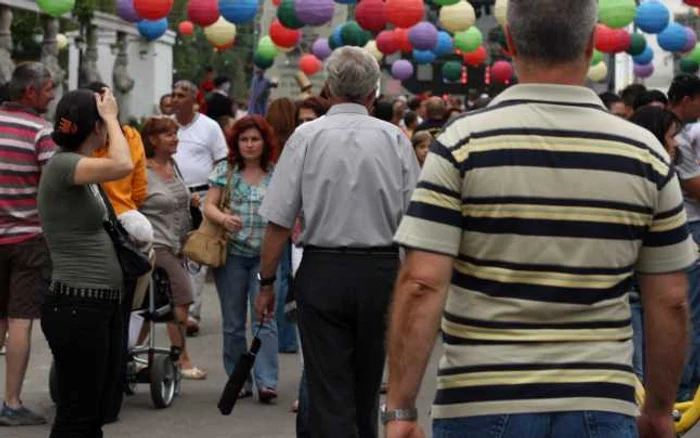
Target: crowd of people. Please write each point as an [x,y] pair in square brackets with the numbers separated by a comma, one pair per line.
[549,234]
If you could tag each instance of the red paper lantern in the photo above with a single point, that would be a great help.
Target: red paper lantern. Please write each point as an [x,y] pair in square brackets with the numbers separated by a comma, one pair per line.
[282,36]
[203,12]
[403,40]
[611,40]
[309,64]
[387,43]
[692,2]
[276,2]
[185,28]
[405,13]
[371,15]
[475,58]
[501,71]
[153,10]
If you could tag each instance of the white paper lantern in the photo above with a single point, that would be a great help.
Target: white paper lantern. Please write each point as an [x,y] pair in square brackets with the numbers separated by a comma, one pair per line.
[61,41]
[457,17]
[598,72]
[220,33]
[371,48]
[501,11]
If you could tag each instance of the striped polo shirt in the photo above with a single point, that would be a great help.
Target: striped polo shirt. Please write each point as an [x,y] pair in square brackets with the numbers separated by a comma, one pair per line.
[548,204]
[25,146]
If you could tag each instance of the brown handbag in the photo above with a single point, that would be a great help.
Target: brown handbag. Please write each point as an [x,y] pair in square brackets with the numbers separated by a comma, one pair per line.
[208,245]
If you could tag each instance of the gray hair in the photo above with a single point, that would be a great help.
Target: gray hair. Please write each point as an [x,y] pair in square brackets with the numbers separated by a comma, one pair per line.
[27,75]
[186,85]
[551,31]
[352,73]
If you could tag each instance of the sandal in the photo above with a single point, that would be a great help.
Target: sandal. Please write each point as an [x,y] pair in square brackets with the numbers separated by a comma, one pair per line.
[245,393]
[194,373]
[267,395]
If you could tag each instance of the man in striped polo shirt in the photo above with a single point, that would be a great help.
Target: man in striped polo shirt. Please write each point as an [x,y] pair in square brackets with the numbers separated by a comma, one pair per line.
[537,210]
[25,266]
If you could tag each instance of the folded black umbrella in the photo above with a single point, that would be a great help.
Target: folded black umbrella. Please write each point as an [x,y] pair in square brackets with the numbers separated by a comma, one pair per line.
[240,374]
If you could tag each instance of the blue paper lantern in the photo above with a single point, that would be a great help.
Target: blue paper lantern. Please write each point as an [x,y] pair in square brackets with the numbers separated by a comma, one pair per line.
[652,17]
[152,30]
[423,57]
[336,38]
[673,38]
[445,45]
[645,57]
[238,11]
[346,2]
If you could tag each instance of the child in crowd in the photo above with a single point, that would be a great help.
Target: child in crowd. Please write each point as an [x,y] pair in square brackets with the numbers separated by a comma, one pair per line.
[421,144]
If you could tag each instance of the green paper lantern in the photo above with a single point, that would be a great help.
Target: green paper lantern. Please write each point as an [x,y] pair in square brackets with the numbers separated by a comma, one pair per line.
[617,13]
[452,71]
[469,40]
[262,62]
[695,54]
[288,16]
[689,65]
[446,2]
[56,8]
[267,48]
[638,44]
[597,57]
[353,35]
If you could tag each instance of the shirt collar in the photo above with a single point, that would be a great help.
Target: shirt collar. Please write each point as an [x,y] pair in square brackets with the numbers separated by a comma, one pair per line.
[14,106]
[565,94]
[348,108]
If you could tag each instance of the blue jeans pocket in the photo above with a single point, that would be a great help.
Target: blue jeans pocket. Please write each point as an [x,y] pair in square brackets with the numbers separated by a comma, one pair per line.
[487,426]
[609,425]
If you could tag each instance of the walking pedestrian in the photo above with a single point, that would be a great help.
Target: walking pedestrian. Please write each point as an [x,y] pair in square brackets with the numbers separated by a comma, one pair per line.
[350,177]
[25,266]
[529,221]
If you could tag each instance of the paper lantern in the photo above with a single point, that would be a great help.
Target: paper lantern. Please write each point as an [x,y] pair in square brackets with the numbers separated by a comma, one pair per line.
[285,49]
[598,72]
[501,11]
[401,70]
[262,62]
[673,38]
[501,71]
[403,40]
[405,13]
[688,65]
[309,64]
[690,40]
[445,45]
[61,41]
[222,47]
[421,57]
[652,17]
[458,17]
[185,28]
[371,48]
[597,57]
[643,70]
[371,15]
[637,44]
[56,8]
[469,40]
[336,39]
[452,71]
[126,11]
[152,30]
[321,49]
[446,2]
[645,57]
[238,11]
[220,33]
[423,36]
[203,12]
[314,12]
[616,13]
[476,58]
[266,48]
[276,3]
[352,34]
[695,54]
[387,43]
[346,2]
[153,10]
[692,2]
[287,15]
[611,40]
[282,36]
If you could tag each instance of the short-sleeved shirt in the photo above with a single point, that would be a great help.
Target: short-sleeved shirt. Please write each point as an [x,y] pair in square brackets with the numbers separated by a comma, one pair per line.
[349,175]
[167,208]
[201,145]
[245,202]
[549,204]
[82,252]
[689,166]
[25,147]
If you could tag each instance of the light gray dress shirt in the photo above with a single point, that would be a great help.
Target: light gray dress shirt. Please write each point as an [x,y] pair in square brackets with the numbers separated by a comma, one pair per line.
[349,175]
[689,166]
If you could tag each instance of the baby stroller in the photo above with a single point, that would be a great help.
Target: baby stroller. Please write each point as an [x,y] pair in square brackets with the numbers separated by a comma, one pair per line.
[148,364]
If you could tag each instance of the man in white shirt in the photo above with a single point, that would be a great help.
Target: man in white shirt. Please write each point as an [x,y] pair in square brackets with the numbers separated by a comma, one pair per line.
[201,145]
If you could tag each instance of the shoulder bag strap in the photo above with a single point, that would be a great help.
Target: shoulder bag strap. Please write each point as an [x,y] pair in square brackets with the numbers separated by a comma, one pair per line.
[225,199]
[111,214]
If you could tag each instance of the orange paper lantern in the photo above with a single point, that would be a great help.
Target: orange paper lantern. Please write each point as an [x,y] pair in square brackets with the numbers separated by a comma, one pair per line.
[185,28]
[282,36]
[309,64]
[475,58]
[153,9]
[405,13]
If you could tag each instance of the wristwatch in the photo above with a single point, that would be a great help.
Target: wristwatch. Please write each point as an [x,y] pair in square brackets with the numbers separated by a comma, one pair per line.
[398,415]
[266,281]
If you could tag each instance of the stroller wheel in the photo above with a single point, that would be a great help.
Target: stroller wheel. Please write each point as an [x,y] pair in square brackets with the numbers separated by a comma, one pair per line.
[163,381]
[53,382]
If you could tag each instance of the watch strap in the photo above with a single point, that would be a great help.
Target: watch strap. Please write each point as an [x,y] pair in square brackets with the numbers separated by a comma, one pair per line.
[399,415]
[266,281]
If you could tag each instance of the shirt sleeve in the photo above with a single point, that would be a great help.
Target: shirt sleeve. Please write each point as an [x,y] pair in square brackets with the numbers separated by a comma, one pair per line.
[45,147]
[139,188]
[667,246]
[219,148]
[688,168]
[433,221]
[283,201]
[64,165]
[411,169]
[217,177]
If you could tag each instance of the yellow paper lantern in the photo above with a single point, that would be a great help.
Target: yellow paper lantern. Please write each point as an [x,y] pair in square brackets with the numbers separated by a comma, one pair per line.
[61,41]
[598,72]
[501,11]
[371,48]
[220,33]
[457,17]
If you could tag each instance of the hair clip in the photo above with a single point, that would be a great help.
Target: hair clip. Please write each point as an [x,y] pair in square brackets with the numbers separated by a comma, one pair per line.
[65,126]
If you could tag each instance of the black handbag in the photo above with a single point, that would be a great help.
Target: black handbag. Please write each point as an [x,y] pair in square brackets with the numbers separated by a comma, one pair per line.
[134,263]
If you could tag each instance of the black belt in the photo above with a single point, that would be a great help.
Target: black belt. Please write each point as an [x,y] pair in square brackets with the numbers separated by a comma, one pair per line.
[199,188]
[369,250]
[59,289]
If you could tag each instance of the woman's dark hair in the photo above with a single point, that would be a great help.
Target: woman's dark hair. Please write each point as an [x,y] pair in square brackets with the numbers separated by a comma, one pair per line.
[281,115]
[269,138]
[384,110]
[657,121]
[155,126]
[650,96]
[75,119]
[316,104]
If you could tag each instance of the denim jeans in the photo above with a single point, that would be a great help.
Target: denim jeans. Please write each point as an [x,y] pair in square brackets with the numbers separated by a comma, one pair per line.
[637,336]
[287,331]
[583,424]
[691,372]
[237,287]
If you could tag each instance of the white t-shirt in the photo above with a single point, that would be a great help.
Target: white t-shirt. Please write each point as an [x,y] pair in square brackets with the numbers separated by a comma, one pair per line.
[202,144]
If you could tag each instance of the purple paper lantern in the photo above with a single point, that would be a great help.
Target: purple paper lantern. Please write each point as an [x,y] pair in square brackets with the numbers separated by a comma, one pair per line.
[321,49]
[127,12]
[402,69]
[644,70]
[690,40]
[314,12]
[423,36]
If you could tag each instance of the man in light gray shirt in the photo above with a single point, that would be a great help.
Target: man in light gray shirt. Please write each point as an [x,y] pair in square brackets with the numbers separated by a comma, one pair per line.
[349,177]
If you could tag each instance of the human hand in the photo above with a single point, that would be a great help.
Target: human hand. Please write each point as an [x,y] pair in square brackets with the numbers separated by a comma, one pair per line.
[403,429]
[107,105]
[232,224]
[655,425]
[265,303]
[195,200]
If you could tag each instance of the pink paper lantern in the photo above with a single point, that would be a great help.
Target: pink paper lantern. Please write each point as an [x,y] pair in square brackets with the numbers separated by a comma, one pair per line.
[387,43]
[321,49]
[185,28]
[314,12]
[691,39]
[203,12]
[127,12]
[402,69]
[644,70]
[501,71]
